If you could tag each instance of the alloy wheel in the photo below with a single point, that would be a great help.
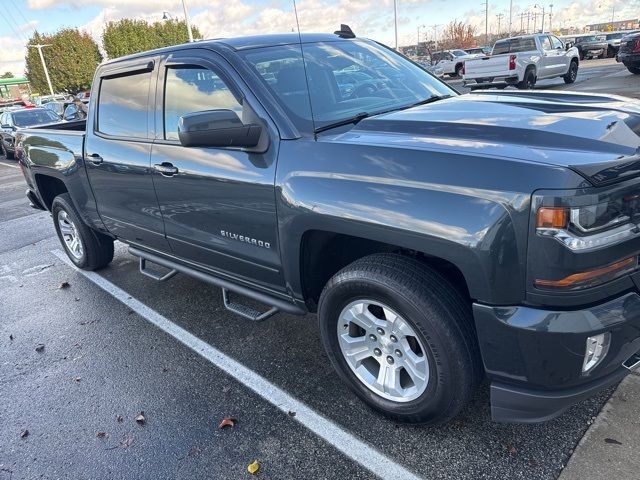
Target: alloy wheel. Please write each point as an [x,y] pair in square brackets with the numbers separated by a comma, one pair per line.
[70,235]
[383,350]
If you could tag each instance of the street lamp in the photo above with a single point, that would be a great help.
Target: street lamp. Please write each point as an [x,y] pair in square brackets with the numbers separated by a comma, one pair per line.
[395,19]
[534,20]
[167,16]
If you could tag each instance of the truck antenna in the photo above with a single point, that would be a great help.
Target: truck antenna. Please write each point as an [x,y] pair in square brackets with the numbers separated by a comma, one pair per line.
[304,66]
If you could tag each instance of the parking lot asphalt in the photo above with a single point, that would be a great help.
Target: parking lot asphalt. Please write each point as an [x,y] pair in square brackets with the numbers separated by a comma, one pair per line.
[105,360]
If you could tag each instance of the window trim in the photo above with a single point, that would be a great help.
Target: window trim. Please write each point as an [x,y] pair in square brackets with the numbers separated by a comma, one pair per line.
[124,72]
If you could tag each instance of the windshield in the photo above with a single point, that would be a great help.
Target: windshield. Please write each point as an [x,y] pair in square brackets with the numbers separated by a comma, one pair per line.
[345,78]
[590,38]
[27,118]
[459,53]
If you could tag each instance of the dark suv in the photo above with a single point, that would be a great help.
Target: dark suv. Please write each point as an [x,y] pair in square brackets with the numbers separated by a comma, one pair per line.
[591,46]
[629,53]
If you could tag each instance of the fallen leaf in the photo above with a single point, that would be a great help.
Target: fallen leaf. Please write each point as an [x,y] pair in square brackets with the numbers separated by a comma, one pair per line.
[253,467]
[194,452]
[165,369]
[512,450]
[77,379]
[291,413]
[119,419]
[101,434]
[11,337]
[140,418]
[126,442]
[77,299]
[227,422]
[613,441]
[40,347]
[533,462]
[24,433]
[64,285]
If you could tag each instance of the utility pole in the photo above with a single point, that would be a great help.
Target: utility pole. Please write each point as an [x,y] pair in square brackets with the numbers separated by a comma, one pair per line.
[499,17]
[186,17]
[522,15]
[44,65]
[486,21]
[418,42]
[435,36]
[395,20]
[550,18]
[510,15]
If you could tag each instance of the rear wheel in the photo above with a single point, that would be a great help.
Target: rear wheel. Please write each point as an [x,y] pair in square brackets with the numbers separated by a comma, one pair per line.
[528,81]
[7,154]
[571,75]
[458,70]
[634,70]
[85,247]
[401,337]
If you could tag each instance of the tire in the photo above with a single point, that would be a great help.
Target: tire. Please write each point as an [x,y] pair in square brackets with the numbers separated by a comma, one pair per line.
[96,249]
[7,154]
[528,81]
[433,327]
[571,75]
[581,54]
[634,70]
[458,70]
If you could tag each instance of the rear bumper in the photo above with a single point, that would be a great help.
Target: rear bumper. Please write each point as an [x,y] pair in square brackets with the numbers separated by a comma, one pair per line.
[490,82]
[534,357]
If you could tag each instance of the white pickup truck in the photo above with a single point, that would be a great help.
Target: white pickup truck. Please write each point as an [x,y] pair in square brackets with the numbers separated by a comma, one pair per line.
[521,61]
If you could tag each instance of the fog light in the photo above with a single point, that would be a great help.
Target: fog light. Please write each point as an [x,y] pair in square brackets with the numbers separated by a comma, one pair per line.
[596,350]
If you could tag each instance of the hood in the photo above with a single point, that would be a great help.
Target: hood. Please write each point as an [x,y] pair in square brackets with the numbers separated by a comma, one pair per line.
[596,136]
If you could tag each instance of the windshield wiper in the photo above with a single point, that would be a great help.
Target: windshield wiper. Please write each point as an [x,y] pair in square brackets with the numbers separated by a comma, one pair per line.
[347,121]
[431,99]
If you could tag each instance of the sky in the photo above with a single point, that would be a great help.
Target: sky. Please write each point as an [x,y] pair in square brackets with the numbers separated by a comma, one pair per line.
[224,18]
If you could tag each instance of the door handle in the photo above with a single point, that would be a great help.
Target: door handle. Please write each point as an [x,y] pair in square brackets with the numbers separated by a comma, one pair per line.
[166,169]
[95,159]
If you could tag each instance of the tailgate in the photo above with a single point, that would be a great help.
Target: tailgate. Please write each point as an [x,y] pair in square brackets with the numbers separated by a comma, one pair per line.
[496,66]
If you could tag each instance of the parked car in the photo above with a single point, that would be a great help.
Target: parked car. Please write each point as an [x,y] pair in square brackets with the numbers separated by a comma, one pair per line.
[486,50]
[613,42]
[451,61]
[439,237]
[521,62]
[629,53]
[436,70]
[42,100]
[355,82]
[12,120]
[591,46]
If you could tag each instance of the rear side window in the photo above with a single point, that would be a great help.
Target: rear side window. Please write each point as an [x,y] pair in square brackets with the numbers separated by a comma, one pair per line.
[194,89]
[501,47]
[522,45]
[122,105]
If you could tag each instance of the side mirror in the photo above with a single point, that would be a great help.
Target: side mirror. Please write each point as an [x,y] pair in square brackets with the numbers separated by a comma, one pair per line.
[217,128]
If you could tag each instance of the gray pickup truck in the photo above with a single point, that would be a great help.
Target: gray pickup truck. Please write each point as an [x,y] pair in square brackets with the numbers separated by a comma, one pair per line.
[442,239]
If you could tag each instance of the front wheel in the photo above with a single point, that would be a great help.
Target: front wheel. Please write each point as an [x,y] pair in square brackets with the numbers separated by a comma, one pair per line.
[571,75]
[401,337]
[86,248]
[634,70]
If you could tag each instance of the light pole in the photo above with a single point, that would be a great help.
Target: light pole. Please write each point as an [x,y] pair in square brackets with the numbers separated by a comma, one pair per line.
[550,17]
[499,17]
[510,15]
[418,42]
[186,17]
[539,7]
[395,20]
[486,21]
[44,65]
[435,36]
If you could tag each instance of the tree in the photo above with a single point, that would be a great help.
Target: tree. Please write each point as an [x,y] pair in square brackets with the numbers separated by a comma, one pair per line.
[71,58]
[7,75]
[457,35]
[128,36]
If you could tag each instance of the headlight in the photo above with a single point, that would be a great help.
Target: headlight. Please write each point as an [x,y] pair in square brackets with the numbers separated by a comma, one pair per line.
[589,227]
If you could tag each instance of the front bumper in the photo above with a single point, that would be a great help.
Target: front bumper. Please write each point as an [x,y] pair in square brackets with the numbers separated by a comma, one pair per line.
[534,357]
[629,59]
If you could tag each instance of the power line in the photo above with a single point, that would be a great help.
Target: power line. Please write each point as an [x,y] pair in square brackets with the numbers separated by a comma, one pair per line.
[27,22]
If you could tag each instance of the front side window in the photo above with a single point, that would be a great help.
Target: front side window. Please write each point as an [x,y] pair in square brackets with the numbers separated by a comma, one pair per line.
[194,89]
[546,43]
[556,43]
[123,103]
[382,80]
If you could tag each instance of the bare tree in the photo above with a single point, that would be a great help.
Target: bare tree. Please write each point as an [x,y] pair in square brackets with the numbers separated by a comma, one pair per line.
[458,35]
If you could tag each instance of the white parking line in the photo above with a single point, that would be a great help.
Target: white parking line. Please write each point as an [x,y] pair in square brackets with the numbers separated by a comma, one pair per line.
[354,448]
[9,165]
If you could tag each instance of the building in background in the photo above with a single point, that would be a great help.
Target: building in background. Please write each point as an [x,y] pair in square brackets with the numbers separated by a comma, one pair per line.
[615,26]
